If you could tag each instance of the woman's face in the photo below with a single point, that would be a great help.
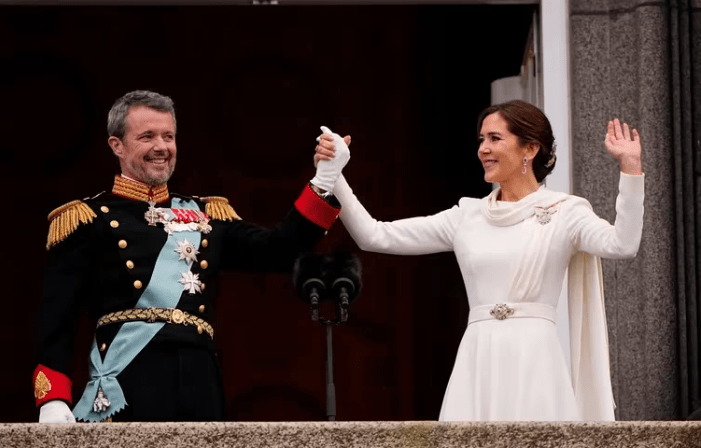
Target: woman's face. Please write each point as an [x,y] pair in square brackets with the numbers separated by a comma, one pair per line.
[499,150]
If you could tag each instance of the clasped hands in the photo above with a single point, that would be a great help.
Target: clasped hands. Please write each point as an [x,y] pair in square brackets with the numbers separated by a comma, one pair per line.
[332,154]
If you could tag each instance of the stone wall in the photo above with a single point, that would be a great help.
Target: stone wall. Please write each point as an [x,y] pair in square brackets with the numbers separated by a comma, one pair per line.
[620,68]
[354,434]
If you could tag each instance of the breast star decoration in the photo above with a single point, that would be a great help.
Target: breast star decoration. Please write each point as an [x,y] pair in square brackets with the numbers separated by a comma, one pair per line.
[187,251]
[544,215]
[191,282]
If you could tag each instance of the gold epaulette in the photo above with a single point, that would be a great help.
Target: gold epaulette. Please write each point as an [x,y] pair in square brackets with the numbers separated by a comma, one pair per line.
[219,208]
[67,218]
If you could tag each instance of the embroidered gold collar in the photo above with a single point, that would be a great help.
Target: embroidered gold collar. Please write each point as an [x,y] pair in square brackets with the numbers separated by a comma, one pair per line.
[138,191]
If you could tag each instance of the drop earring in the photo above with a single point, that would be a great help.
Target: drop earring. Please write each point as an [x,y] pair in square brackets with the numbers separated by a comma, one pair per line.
[525,165]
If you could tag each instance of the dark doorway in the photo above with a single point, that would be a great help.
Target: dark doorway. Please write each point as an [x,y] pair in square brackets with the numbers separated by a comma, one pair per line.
[251,86]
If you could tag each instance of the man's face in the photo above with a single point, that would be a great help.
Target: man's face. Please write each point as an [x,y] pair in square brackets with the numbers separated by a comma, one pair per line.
[148,151]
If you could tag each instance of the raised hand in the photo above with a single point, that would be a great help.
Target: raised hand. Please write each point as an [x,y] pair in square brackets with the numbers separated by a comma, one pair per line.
[332,154]
[624,146]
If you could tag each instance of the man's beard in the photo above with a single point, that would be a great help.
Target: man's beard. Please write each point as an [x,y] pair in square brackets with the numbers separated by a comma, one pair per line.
[156,181]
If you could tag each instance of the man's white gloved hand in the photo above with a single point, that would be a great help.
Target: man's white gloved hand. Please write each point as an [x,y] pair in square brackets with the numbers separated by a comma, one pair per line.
[328,171]
[55,411]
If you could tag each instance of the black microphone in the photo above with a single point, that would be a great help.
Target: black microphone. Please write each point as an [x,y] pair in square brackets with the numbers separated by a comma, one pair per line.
[342,271]
[306,277]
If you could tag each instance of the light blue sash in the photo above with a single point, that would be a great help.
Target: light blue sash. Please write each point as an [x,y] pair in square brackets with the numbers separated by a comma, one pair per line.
[163,291]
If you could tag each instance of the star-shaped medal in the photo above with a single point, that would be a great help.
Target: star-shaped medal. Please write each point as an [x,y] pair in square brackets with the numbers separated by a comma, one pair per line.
[191,282]
[187,251]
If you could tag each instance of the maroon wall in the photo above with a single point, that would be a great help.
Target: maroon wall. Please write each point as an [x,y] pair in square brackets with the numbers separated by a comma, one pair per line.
[251,86]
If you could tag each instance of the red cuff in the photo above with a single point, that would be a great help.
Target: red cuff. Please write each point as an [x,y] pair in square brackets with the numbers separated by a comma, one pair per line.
[51,385]
[315,209]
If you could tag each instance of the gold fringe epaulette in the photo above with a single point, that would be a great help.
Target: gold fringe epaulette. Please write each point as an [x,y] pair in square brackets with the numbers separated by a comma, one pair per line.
[67,218]
[219,208]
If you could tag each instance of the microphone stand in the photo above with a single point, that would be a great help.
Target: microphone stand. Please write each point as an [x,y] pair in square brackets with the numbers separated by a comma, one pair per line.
[330,386]
[341,316]
[344,288]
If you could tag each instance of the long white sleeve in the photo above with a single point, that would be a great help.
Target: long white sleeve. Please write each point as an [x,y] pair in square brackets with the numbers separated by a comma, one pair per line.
[596,236]
[412,236]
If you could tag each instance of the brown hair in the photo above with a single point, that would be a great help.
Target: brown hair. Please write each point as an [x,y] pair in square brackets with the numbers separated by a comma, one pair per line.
[530,125]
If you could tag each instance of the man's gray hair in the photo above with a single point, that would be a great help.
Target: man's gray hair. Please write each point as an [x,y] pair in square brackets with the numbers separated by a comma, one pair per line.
[117,118]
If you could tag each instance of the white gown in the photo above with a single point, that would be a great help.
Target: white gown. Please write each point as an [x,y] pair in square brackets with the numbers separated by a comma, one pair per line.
[511,252]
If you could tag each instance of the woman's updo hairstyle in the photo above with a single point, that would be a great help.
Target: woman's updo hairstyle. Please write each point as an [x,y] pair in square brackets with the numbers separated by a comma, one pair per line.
[530,125]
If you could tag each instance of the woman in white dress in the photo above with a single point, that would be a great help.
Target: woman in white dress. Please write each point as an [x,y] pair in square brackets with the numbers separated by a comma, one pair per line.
[514,248]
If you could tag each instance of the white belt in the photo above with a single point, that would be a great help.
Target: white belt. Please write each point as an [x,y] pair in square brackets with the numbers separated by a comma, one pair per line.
[502,311]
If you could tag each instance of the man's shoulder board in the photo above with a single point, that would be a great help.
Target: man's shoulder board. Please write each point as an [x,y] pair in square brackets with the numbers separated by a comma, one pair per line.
[65,219]
[218,208]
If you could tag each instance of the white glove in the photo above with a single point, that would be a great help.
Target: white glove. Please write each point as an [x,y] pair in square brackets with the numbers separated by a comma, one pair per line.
[327,171]
[55,411]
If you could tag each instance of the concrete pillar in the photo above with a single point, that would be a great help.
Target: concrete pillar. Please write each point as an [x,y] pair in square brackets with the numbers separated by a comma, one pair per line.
[620,68]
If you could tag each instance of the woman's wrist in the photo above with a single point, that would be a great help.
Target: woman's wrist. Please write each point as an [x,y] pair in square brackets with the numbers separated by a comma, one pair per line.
[631,165]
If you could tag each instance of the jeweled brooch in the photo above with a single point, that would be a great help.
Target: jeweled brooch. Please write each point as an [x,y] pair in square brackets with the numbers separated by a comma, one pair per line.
[544,215]
[501,311]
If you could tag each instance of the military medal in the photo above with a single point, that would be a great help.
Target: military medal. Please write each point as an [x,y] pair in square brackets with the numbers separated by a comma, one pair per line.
[187,251]
[177,219]
[101,402]
[191,282]
[152,215]
[195,220]
[203,227]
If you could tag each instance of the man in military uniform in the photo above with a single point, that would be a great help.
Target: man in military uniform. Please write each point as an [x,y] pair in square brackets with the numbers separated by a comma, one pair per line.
[144,260]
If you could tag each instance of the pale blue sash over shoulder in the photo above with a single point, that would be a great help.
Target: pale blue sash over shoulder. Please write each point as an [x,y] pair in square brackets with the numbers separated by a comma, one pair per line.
[163,291]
